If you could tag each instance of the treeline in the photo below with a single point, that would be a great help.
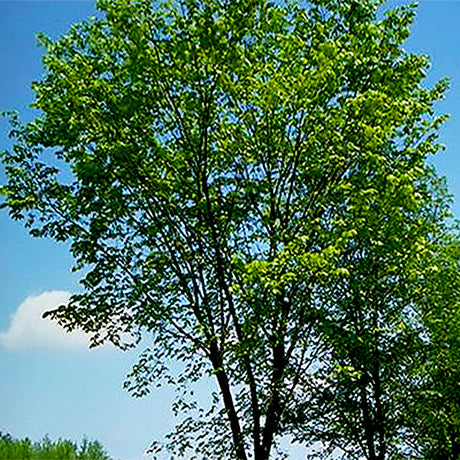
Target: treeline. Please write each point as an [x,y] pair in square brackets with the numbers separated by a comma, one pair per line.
[62,449]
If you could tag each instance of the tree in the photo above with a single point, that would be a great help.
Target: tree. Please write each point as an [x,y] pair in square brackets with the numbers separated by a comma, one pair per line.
[14,449]
[246,183]
[381,340]
[434,411]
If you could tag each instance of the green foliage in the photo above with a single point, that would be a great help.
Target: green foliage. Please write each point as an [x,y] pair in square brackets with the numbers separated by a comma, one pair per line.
[434,402]
[246,184]
[25,449]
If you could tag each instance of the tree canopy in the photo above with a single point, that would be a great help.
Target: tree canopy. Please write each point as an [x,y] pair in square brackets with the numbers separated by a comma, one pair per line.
[25,449]
[246,184]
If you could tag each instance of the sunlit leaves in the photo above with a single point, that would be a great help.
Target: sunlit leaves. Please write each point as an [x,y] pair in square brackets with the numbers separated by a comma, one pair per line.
[246,183]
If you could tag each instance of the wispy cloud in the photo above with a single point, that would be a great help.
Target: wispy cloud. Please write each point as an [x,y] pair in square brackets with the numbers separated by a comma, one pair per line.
[29,331]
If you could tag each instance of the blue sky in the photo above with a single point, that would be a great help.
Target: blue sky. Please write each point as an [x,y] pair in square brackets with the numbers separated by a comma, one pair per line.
[51,384]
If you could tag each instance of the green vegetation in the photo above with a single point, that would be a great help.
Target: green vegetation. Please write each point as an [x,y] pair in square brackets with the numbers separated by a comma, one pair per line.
[247,185]
[25,449]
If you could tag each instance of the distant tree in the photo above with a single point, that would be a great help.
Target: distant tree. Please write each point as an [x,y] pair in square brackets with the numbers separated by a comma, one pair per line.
[13,449]
[245,182]
[25,449]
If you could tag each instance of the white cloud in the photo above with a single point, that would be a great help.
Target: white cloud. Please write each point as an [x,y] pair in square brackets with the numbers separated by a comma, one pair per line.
[29,331]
